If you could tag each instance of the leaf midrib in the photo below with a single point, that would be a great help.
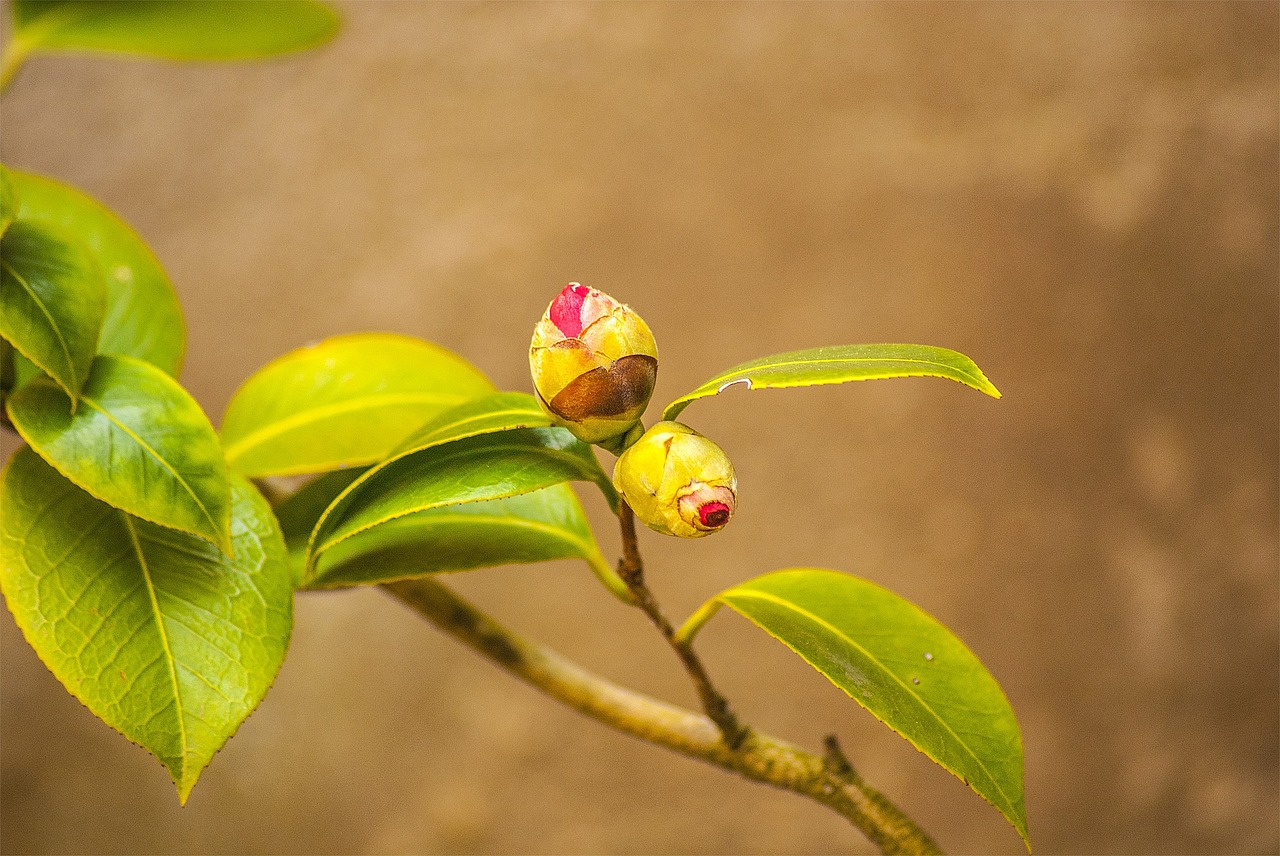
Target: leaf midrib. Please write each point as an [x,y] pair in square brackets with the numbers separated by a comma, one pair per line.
[772,598]
[170,660]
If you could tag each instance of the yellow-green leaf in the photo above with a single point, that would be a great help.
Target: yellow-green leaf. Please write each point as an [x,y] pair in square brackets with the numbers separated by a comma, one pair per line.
[174,29]
[8,199]
[897,662]
[143,318]
[531,527]
[840,364]
[52,301]
[159,634]
[481,450]
[137,441]
[346,401]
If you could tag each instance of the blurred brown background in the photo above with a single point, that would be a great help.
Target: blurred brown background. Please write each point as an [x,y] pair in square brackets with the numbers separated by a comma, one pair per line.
[1083,197]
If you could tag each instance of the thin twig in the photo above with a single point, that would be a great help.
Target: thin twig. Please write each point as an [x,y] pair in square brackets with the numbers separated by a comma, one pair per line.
[758,756]
[631,569]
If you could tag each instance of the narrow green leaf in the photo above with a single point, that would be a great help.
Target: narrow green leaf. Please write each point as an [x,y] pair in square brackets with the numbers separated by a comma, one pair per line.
[841,364]
[346,401]
[500,411]
[138,441]
[175,29]
[897,662]
[8,199]
[161,636]
[143,317]
[530,527]
[52,301]
[480,450]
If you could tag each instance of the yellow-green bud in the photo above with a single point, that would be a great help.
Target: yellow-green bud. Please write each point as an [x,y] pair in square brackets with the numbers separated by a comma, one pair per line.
[594,364]
[677,481]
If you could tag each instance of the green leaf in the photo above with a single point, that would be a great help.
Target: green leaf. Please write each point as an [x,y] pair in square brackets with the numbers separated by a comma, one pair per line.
[478,451]
[897,662]
[490,466]
[500,411]
[299,512]
[205,30]
[8,199]
[8,374]
[52,301]
[343,402]
[841,364]
[143,317]
[167,640]
[137,441]
[530,527]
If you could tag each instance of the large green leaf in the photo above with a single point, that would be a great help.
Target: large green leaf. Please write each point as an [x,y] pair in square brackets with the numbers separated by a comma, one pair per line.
[8,199]
[897,662]
[173,29]
[343,402]
[841,364]
[156,632]
[530,527]
[52,301]
[143,317]
[478,451]
[137,441]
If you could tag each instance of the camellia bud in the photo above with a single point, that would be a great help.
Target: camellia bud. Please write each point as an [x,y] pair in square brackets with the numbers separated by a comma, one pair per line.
[677,481]
[594,364]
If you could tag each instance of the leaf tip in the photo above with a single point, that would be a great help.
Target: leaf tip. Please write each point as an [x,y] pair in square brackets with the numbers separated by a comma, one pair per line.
[185,784]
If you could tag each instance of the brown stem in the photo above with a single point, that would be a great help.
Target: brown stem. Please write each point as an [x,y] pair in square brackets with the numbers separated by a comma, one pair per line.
[631,569]
[829,780]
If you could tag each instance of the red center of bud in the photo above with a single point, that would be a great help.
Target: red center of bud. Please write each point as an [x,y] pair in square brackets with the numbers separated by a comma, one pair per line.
[566,309]
[713,514]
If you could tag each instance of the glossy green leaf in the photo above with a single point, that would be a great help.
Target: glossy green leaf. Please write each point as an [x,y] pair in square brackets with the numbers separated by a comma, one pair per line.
[343,402]
[174,29]
[300,511]
[138,441]
[530,527]
[52,301]
[840,364]
[475,452]
[897,662]
[159,634]
[500,411]
[143,317]
[8,199]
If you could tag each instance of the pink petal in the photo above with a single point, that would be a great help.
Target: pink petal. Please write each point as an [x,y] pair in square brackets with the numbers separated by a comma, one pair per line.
[566,309]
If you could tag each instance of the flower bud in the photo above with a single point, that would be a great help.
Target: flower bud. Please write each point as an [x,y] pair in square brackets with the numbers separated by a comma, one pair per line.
[677,481]
[594,364]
